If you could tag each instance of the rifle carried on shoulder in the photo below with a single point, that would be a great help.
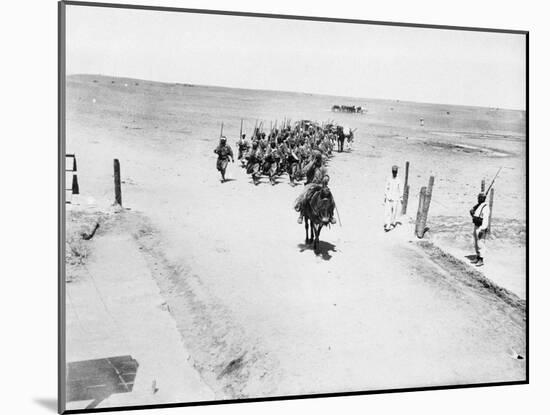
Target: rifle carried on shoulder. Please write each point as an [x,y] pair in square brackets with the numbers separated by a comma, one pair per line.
[493,182]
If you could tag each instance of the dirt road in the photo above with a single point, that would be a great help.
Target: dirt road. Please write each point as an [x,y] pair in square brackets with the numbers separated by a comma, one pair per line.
[258,312]
[261,314]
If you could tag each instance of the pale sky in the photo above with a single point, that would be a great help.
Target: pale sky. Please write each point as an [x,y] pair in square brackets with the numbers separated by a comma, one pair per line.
[355,60]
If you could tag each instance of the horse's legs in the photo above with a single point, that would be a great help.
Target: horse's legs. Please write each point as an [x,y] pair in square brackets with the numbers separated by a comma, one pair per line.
[306,222]
[317,236]
[311,233]
[316,241]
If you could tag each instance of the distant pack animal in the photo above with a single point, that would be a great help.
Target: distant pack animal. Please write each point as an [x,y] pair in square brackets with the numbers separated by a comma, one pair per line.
[347,108]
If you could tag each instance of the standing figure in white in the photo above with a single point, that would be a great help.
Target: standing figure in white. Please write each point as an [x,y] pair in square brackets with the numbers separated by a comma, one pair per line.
[392,197]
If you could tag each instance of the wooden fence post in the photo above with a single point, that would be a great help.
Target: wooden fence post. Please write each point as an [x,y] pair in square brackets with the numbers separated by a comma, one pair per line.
[405,190]
[118,193]
[491,197]
[421,201]
[405,200]
[430,189]
[75,190]
[421,229]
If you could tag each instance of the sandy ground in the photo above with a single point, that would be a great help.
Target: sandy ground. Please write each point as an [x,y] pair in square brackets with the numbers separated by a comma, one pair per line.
[114,308]
[261,315]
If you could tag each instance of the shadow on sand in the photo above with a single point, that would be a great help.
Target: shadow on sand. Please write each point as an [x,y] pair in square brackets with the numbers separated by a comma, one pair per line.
[98,379]
[48,403]
[263,180]
[325,248]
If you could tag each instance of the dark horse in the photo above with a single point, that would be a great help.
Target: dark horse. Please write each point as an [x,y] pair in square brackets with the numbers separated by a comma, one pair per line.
[318,209]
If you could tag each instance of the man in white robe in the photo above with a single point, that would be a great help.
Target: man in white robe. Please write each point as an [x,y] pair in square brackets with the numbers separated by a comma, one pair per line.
[393,195]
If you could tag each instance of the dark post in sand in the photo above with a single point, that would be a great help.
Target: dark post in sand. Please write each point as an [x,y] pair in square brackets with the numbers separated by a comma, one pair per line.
[75,190]
[421,201]
[421,227]
[426,206]
[118,192]
[405,190]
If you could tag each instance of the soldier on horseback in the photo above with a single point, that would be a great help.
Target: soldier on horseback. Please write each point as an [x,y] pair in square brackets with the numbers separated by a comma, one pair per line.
[317,178]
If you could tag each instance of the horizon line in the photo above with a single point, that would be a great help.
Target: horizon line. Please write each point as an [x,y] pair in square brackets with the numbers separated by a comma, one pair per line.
[295,92]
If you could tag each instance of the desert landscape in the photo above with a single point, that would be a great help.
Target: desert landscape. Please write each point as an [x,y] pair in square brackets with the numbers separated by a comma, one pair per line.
[210,287]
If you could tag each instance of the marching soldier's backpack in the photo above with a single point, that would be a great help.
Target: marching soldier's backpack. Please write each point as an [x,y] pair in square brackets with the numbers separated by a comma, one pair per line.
[477,220]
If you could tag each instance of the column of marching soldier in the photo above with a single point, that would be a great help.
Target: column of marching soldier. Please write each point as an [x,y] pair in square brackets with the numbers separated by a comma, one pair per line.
[288,149]
[301,150]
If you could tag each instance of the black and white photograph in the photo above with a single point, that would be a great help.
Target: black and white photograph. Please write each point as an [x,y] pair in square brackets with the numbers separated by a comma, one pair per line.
[266,206]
